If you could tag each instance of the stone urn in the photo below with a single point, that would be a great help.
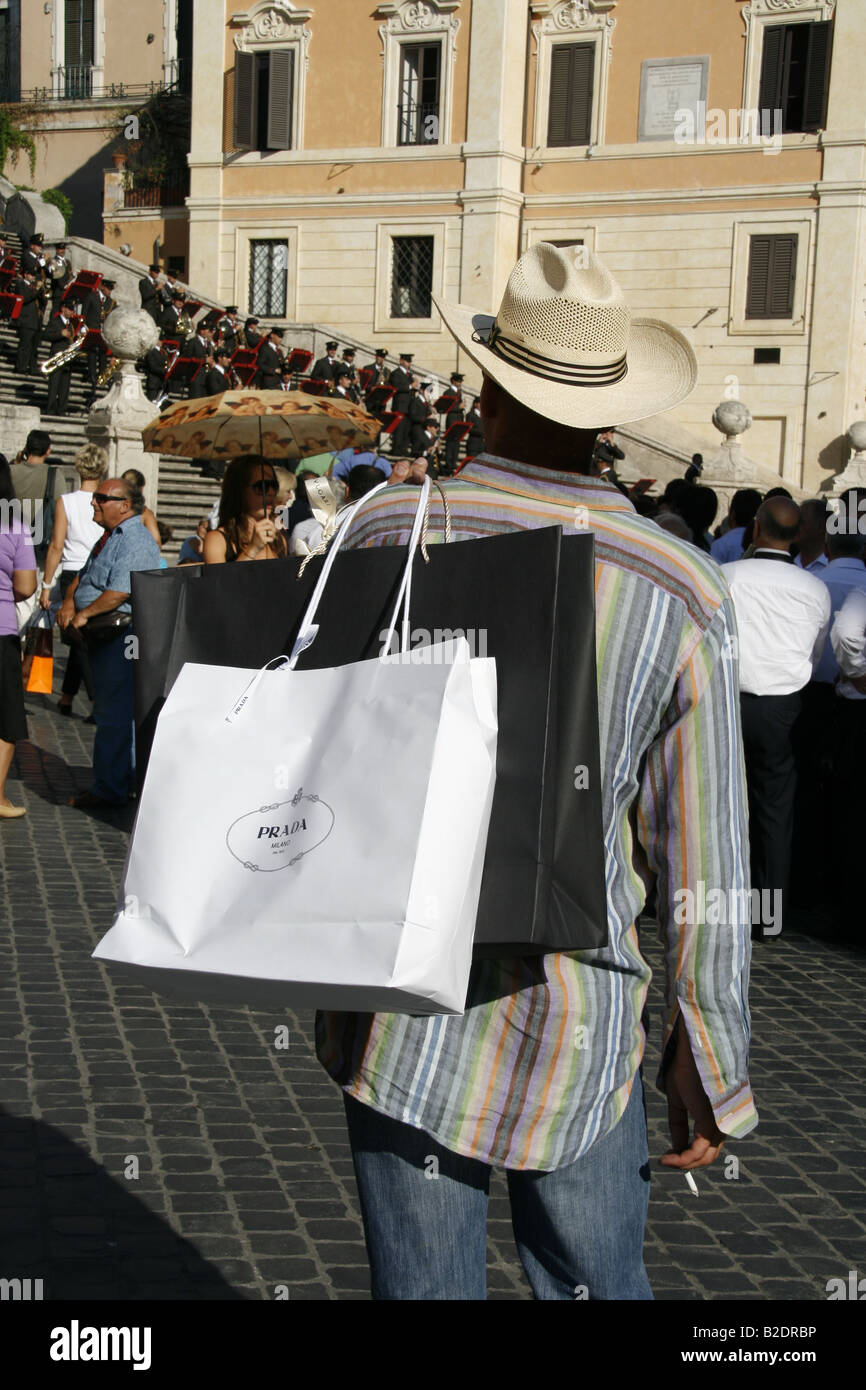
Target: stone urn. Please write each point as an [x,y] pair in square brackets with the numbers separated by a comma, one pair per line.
[118,418]
[854,473]
[732,418]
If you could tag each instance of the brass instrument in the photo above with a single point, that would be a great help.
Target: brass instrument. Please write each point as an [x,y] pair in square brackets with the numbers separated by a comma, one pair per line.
[185,326]
[163,397]
[110,372]
[60,359]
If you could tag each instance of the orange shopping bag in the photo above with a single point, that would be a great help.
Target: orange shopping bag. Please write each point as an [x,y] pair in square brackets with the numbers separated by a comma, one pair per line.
[38,665]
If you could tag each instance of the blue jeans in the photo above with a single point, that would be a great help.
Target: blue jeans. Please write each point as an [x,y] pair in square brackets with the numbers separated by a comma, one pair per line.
[579,1230]
[113,710]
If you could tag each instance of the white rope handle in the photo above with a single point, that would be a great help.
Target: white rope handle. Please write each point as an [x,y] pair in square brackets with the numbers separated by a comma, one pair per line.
[405,590]
[309,627]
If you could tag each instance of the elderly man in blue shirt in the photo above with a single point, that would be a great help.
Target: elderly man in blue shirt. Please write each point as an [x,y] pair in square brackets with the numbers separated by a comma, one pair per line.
[104,586]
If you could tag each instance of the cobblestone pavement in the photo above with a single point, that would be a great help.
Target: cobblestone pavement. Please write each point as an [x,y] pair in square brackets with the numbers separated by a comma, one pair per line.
[155,1151]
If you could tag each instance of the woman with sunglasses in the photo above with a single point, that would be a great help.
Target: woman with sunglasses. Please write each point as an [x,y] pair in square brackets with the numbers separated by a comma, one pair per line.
[246,529]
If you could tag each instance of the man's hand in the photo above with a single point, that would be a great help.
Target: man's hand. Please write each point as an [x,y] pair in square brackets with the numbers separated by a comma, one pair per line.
[78,620]
[688,1099]
[65,613]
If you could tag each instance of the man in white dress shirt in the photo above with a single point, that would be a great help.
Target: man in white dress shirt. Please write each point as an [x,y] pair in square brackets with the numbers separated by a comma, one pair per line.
[783,615]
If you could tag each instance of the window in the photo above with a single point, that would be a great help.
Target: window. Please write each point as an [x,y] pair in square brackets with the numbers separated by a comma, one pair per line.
[418,110]
[78,50]
[767,356]
[772,276]
[10,51]
[569,120]
[795,66]
[264,99]
[411,277]
[269,262]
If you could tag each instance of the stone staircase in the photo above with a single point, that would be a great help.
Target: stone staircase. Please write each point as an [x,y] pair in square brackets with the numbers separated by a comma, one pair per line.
[185,494]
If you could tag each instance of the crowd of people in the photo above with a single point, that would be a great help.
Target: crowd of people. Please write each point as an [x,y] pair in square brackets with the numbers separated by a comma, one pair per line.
[204,353]
[716,635]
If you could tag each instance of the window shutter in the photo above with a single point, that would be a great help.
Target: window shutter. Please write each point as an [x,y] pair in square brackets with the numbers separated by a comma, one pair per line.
[86,32]
[759,274]
[772,274]
[245,100]
[280,99]
[571,80]
[560,68]
[71,48]
[817,74]
[580,86]
[783,270]
[772,69]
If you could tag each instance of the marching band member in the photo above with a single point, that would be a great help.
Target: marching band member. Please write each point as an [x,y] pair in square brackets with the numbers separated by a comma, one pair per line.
[60,334]
[28,323]
[268,375]
[229,328]
[201,347]
[156,363]
[379,370]
[325,368]
[148,289]
[60,275]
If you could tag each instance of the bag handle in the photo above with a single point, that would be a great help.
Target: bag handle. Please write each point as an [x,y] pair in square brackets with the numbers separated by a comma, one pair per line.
[309,627]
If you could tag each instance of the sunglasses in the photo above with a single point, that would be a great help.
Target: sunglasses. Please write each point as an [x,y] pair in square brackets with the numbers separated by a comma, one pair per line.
[107,497]
[263,486]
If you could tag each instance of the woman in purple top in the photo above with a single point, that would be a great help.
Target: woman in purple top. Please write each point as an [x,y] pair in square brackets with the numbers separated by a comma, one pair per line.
[17,581]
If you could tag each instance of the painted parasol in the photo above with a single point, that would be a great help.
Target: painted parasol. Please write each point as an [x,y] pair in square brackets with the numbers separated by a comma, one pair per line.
[286,426]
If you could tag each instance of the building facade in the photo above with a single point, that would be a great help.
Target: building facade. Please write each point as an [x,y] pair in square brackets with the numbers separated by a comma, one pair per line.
[71,70]
[351,161]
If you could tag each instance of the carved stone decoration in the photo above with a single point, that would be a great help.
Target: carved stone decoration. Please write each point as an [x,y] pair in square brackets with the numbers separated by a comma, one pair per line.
[273,22]
[418,16]
[558,16]
[555,19]
[820,9]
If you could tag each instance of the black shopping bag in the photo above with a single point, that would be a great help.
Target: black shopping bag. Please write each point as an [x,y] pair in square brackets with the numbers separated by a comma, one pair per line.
[525,598]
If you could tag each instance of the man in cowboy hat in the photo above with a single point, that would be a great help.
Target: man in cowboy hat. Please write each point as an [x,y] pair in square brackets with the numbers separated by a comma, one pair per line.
[510,1082]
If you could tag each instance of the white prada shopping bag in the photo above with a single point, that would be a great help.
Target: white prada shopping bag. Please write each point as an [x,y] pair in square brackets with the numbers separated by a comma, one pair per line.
[315,838]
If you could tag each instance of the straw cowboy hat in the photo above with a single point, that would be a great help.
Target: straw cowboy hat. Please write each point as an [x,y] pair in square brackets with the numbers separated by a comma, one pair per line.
[565,345]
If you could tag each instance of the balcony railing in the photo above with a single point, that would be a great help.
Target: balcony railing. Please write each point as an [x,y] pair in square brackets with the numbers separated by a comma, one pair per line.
[76,84]
[157,195]
[418,123]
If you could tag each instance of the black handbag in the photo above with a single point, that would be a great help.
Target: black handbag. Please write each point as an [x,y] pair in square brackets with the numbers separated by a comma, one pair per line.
[104,627]
[525,598]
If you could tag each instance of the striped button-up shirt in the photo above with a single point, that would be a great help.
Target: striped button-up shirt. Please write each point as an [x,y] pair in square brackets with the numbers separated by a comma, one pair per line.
[542,1062]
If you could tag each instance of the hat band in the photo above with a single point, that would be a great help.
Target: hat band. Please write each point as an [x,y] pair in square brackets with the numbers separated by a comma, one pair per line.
[568,373]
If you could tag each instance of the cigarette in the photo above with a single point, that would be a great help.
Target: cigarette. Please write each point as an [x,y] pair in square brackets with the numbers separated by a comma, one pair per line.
[692,1184]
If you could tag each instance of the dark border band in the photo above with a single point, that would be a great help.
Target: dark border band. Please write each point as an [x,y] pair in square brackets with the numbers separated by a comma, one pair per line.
[566,373]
